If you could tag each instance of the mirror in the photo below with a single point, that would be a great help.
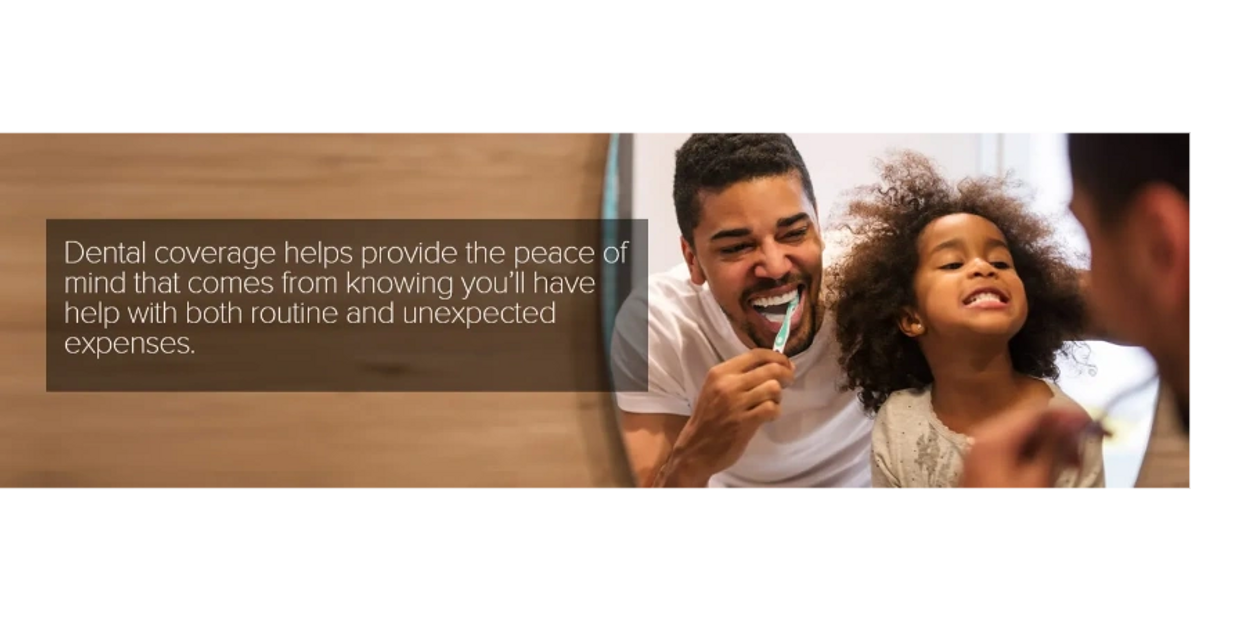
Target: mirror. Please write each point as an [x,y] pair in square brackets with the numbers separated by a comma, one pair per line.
[837,163]
[360,438]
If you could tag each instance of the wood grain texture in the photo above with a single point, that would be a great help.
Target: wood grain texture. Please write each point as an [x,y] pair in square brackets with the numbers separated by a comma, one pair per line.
[286,440]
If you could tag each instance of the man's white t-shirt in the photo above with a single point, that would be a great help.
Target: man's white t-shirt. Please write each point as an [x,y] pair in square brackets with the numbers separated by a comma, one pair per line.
[822,437]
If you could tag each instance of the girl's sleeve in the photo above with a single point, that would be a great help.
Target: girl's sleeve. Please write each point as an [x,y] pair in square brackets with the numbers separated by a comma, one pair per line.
[881,455]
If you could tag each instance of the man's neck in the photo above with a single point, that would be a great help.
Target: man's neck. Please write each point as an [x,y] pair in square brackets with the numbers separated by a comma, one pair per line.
[1186,417]
[1174,371]
[972,385]
[1186,391]
[1179,376]
[1181,380]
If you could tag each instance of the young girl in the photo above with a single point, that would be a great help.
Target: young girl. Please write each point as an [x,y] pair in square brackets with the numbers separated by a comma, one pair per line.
[950,308]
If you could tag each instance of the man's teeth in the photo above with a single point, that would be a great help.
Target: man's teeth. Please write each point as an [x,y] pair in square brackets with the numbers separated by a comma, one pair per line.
[776,300]
[982,297]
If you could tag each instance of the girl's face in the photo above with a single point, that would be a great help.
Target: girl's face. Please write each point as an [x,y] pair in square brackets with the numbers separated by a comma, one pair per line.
[965,284]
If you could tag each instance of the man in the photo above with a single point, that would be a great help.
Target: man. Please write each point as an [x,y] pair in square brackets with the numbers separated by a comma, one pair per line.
[723,408]
[1130,194]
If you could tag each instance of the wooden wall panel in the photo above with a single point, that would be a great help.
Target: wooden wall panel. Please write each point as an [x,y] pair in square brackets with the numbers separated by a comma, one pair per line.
[241,439]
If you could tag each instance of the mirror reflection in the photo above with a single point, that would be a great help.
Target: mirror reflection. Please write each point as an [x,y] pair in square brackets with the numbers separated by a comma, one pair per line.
[843,310]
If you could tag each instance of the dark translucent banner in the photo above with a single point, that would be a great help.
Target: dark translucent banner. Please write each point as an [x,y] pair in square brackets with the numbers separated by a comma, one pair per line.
[336,305]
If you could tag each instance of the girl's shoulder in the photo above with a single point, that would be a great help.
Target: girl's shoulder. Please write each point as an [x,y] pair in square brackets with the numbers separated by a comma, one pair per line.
[905,405]
[1058,396]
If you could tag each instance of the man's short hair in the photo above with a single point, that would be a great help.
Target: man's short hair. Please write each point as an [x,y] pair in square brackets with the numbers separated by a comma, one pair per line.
[1113,167]
[715,161]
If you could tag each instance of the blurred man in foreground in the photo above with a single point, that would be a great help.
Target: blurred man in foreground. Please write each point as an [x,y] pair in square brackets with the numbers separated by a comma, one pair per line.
[1130,194]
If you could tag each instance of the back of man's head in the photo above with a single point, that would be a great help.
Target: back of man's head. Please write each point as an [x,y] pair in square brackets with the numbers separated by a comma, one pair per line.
[1135,187]
[1112,168]
[714,161]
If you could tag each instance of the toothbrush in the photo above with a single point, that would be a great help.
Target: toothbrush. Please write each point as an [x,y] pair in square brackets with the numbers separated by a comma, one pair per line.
[781,338]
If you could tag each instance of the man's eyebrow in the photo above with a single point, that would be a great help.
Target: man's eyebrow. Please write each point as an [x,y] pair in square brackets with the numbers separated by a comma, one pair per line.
[792,219]
[731,232]
[745,232]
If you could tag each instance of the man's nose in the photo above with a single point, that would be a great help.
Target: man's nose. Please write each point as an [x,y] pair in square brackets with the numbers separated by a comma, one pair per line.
[773,263]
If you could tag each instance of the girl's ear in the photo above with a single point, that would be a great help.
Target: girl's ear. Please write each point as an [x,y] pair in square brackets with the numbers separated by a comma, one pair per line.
[910,323]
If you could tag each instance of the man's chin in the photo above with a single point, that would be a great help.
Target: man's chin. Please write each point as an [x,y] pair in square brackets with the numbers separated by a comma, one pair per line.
[804,337]
[761,343]
[796,344]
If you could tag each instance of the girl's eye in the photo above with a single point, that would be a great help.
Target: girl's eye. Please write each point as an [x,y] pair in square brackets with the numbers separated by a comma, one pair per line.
[1001,265]
[950,266]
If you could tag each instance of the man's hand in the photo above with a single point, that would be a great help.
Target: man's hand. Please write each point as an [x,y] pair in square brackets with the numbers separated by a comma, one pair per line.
[1025,448]
[738,396]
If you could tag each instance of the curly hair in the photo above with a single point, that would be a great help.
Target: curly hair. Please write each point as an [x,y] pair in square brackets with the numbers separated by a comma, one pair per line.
[870,285]
[714,161]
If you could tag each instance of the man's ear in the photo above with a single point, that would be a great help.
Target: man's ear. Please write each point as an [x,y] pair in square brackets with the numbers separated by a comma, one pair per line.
[910,323]
[1163,234]
[695,268]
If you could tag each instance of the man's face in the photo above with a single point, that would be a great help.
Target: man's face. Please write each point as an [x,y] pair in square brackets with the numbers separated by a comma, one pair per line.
[1114,293]
[757,242]
[1138,289]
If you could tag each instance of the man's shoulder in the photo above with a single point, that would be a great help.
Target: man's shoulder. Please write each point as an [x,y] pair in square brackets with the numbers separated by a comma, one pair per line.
[659,337]
[667,297]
